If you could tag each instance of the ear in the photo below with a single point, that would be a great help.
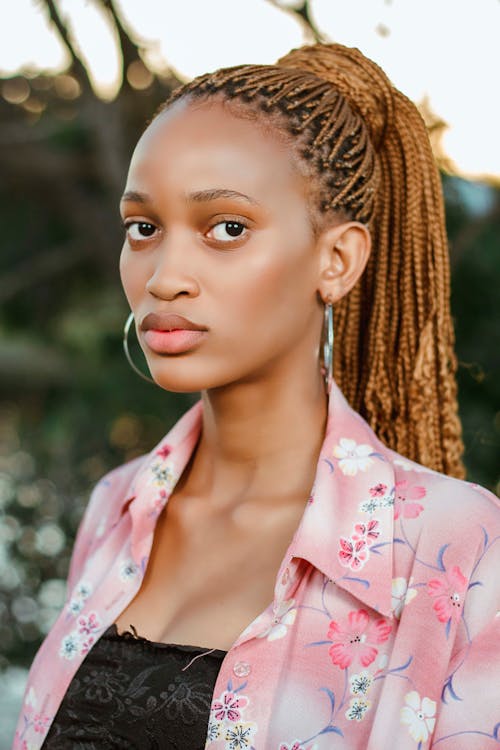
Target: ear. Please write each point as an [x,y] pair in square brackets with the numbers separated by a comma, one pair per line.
[343,252]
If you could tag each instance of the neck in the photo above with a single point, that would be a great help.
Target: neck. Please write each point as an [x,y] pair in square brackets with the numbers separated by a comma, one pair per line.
[259,440]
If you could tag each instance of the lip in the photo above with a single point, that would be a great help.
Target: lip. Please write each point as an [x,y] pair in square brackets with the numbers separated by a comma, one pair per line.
[173,342]
[169,322]
[170,333]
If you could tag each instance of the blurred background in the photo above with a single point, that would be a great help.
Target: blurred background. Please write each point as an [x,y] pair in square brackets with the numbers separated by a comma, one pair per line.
[78,81]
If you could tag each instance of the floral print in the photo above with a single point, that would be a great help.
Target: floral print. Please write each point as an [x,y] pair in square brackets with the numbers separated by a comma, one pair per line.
[353,553]
[448,592]
[357,709]
[228,706]
[402,594]
[361,683]
[419,715]
[355,641]
[285,616]
[356,644]
[352,457]
[405,495]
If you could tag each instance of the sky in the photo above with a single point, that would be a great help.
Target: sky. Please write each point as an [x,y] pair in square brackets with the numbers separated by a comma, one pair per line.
[445,50]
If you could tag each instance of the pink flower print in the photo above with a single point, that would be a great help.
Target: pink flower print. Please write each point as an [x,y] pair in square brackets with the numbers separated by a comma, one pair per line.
[88,624]
[158,503]
[164,451]
[448,592]
[355,641]
[378,490]
[87,645]
[353,553]
[294,746]
[367,531]
[404,493]
[40,722]
[228,706]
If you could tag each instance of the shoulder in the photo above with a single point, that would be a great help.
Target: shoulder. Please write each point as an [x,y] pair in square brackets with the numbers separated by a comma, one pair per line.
[440,501]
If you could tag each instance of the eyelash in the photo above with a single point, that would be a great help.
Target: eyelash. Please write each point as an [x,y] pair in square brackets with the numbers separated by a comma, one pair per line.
[128,224]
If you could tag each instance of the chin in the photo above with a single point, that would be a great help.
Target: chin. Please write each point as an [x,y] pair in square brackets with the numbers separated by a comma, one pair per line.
[179,377]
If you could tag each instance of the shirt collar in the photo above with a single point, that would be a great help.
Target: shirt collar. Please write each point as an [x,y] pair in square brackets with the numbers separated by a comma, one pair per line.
[346,530]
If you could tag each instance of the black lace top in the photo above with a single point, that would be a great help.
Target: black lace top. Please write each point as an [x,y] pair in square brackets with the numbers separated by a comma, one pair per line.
[129,692]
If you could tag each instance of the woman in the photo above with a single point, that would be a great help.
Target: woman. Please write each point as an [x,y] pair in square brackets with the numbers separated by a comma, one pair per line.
[322,556]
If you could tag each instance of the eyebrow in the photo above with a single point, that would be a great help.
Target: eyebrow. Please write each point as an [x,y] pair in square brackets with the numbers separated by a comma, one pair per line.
[198,196]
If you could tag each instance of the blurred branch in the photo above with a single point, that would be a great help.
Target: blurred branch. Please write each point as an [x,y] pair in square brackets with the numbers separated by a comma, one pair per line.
[129,49]
[39,268]
[79,68]
[303,13]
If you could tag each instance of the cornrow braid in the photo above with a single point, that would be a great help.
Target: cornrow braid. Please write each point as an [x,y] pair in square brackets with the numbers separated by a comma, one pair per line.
[365,148]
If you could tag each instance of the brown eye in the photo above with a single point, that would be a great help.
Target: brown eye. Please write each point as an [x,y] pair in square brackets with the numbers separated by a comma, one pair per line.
[228,230]
[139,230]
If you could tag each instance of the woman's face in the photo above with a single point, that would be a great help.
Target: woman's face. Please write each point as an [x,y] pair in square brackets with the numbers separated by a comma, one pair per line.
[243,268]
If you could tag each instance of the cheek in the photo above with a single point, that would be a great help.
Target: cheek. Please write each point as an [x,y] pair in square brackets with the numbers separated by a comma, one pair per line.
[131,275]
[269,295]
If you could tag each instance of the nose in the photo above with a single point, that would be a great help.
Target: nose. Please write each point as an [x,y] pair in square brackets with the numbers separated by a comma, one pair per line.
[171,276]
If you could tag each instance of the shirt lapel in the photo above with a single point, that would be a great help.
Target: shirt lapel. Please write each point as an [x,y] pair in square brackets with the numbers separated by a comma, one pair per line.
[346,530]
[347,527]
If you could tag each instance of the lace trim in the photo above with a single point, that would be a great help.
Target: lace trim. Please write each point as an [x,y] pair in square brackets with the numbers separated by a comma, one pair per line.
[132,635]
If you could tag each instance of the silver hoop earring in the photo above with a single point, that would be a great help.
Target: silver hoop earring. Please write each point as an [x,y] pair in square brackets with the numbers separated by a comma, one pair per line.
[126,329]
[328,346]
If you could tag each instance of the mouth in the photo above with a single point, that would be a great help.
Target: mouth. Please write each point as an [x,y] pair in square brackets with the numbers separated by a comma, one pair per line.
[174,341]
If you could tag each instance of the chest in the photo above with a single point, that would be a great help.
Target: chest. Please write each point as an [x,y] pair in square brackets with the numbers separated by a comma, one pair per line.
[208,577]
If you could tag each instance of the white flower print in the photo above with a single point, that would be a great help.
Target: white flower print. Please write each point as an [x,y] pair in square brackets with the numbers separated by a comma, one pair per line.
[285,616]
[100,529]
[163,475]
[70,646]
[419,714]
[382,661]
[357,709]
[361,683]
[214,730]
[370,506]
[239,736]
[353,456]
[83,590]
[75,606]
[402,593]
[128,570]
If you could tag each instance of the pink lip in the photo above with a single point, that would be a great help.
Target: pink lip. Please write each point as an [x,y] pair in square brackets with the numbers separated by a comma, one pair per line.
[173,342]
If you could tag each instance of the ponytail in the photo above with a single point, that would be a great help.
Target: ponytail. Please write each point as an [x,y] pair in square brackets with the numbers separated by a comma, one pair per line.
[366,148]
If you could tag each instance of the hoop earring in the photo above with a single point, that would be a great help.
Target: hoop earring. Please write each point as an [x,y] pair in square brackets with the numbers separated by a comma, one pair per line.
[127,353]
[328,346]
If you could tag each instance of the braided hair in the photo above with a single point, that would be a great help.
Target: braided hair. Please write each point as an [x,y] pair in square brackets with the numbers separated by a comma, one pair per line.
[365,149]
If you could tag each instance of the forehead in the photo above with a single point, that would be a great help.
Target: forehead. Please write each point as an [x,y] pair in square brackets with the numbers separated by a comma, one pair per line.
[199,145]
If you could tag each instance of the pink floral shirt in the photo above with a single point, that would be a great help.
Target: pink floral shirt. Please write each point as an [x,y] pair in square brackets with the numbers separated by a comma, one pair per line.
[384,631]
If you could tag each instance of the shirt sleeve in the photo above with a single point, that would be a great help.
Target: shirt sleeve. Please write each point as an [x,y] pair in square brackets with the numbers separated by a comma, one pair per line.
[469,711]
[469,717]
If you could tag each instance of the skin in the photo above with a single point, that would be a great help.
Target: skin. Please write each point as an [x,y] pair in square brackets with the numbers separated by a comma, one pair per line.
[261,295]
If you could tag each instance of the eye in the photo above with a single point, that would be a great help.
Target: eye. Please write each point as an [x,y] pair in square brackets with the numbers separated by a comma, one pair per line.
[139,230]
[228,229]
